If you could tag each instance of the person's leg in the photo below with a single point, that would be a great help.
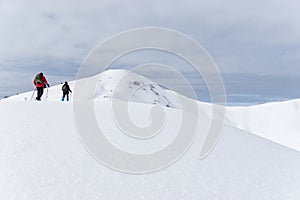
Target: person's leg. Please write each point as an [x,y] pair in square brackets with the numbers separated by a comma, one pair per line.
[63,98]
[67,96]
[42,92]
[39,93]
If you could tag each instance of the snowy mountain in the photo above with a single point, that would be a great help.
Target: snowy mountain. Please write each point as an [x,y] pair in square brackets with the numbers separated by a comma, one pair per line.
[42,157]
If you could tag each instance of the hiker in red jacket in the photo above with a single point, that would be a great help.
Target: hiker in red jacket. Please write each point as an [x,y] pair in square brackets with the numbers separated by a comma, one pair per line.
[40,83]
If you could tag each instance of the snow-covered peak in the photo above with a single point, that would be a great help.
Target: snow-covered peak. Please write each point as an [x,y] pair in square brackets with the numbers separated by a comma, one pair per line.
[127,85]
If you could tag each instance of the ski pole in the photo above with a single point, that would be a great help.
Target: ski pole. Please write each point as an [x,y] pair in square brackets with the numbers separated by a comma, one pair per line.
[32,94]
[47,93]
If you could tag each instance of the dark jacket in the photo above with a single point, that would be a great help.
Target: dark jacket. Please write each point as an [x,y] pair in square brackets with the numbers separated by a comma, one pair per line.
[66,88]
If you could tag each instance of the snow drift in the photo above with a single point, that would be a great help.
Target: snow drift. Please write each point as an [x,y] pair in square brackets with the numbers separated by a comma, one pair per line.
[41,156]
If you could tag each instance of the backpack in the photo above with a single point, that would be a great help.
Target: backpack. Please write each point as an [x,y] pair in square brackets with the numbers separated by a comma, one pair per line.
[64,88]
[38,79]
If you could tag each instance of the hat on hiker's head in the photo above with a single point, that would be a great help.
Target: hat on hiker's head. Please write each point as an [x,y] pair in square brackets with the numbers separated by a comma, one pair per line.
[41,73]
[66,82]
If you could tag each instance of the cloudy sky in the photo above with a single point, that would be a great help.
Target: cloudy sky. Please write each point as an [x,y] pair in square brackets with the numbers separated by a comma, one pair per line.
[255,44]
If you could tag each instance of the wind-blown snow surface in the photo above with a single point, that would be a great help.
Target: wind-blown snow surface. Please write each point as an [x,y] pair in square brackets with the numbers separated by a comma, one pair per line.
[41,156]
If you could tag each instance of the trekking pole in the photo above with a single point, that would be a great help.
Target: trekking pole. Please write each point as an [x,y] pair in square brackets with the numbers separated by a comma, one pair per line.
[32,94]
[47,93]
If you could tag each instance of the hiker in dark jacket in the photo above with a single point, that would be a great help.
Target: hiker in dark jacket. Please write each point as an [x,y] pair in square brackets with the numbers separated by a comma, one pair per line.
[66,89]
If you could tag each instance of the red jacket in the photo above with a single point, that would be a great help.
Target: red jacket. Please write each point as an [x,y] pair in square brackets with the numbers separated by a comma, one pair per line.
[41,83]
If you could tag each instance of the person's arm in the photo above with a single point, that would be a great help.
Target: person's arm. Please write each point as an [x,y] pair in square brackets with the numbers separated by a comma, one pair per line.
[69,89]
[45,81]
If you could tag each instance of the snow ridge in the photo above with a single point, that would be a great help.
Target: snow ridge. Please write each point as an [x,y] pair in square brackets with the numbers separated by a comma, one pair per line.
[120,84]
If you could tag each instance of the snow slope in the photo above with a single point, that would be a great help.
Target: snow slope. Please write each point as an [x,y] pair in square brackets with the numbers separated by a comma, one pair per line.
[41,156]
[278,121]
